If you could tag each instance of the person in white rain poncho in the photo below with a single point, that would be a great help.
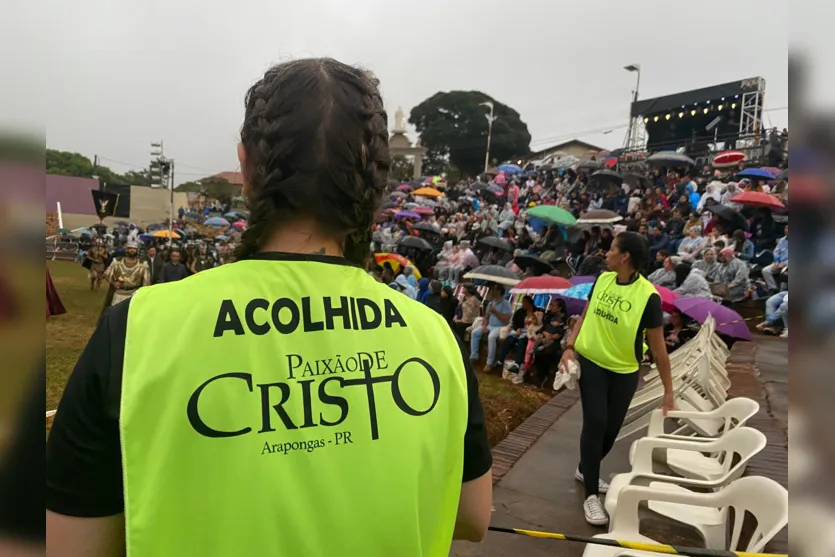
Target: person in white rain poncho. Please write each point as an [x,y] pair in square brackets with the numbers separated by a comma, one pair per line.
[405,287]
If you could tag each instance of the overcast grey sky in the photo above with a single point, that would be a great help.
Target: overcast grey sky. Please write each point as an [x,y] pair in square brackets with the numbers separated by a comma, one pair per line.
[111,76]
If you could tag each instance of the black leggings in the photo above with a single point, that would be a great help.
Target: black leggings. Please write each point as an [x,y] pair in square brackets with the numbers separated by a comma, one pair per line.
[606,396]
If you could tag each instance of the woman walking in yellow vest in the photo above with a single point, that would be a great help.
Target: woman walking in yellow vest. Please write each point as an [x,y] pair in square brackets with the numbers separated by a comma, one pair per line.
[608,344]
[322,413]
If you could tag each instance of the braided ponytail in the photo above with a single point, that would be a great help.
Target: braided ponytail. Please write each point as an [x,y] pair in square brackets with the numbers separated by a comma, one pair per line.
[316,140]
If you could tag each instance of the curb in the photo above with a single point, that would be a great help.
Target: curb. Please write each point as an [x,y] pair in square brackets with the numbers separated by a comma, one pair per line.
[512,447]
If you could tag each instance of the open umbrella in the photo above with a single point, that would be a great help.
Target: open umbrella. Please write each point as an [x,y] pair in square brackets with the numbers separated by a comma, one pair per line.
[728,158]
[582,279]
[728,322]
[599,216]
[414,242]
[491,171]
[232,215]
[493,273]
[215,221]
[511,169]
[239,224]
[729,214]
[784,175]
[553,214]
[478,186]
[404,188]
[607,176]
[567,162]
[755,173]
[667,298]
[541,285]
[545,167]
[588,165]
[540,266]
[670,158]
[636,180]
[155,226]
[146,237]
[428,192]
[758,199]
[182,233]
[396,261]
[407,215]
[83,232]
[426,226]
[122,223]
[494,242]
[424,211]
[164,234]
[579,291]
[773,170]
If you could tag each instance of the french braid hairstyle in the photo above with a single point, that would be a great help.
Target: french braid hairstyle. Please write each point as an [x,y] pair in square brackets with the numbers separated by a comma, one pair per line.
[316,141]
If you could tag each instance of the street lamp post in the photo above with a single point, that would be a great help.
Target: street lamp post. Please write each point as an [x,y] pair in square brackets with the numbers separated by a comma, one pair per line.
[632,133]
[490,120]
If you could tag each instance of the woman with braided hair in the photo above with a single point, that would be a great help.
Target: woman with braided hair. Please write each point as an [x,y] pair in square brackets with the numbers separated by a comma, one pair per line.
[323,413]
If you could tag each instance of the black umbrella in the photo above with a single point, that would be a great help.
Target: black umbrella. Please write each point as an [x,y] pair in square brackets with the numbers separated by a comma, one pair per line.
[540,267]
[494,242]
[414,242]
[588,165]
[545,167]
[494,273]
[478,186]
[729,214]
[606,176]
[428,227]
[637,181]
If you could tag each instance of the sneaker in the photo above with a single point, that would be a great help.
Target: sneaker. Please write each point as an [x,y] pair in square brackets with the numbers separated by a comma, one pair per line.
[762,325]
[785,333]
[594,511]
[602,486]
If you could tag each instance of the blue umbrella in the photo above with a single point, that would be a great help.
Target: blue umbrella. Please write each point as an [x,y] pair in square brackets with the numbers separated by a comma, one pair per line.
[84,232]
[579,291]
[217,221]
[757,173]
[529,173]
[232,215]
[510,169]
[180,232]
[146,238]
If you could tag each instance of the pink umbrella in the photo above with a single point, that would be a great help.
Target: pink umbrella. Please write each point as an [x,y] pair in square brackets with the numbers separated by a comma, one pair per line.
[427,211]
[240,225]
[668,298]
[404,188]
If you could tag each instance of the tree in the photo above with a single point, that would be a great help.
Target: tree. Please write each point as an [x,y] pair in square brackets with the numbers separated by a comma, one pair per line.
[402,168]
[67,163]
[453,127]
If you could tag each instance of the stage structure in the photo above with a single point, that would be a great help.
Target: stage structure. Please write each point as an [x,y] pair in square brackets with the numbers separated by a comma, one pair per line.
[699,122]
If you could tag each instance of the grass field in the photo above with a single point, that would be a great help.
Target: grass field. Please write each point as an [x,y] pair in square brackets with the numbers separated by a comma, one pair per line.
[505,405]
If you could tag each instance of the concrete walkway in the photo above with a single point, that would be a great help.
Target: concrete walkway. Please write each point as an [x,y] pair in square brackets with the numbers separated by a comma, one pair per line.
[539,492]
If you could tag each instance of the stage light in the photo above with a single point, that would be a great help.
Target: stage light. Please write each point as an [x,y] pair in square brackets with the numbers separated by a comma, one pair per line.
[667,117]
[733,105]
[706,111]
[736,96]
[646,120]
[692,113]
[721,106]
[723,98]
[655,119]
[695,104]
[682,106]
[681,114]
[708,102]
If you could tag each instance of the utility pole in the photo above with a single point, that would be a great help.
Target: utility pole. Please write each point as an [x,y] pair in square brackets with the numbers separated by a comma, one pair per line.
[490,120]
[162,175]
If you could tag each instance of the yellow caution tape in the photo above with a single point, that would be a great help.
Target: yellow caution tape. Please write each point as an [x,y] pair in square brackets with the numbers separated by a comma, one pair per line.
[638,546]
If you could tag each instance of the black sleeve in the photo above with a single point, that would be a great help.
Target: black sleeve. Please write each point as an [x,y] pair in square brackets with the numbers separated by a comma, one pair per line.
[653,314]
[477,456]
[83,452]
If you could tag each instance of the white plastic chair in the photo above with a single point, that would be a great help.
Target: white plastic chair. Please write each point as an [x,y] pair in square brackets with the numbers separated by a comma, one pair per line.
[763,498]
[744,442]
[698,426]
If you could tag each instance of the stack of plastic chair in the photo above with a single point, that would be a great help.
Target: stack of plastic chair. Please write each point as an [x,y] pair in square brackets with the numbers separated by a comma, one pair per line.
[731,452]
[764,499]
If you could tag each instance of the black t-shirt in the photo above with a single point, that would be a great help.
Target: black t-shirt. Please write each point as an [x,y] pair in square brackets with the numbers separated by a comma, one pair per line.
[83,454]
[652,318]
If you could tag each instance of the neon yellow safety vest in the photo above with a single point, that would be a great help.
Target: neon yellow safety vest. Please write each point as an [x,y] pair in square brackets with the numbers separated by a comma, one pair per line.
[289,408]
[610,327]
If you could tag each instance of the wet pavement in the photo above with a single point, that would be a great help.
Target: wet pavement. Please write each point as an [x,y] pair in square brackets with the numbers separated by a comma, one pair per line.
[540,493]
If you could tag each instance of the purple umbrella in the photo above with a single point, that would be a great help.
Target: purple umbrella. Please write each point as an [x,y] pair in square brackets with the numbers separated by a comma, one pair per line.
[581,279]
[728,322]
[574,306]
[407,215]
